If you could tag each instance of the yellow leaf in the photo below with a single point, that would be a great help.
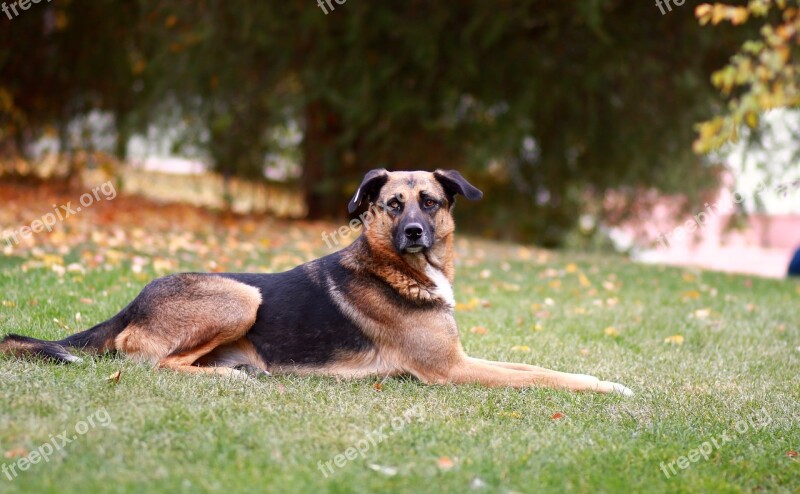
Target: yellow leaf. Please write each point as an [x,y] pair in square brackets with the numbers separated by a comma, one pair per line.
[688,278]
[471,305]
[702,313]
[114,377]
[478,330]
[703,13]
[691,294]
[521,348]
[611,331]
[674,339]
[571,268]
[751,118]
[584,281]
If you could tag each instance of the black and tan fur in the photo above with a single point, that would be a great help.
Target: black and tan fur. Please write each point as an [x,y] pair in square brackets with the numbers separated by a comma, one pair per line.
[382,306]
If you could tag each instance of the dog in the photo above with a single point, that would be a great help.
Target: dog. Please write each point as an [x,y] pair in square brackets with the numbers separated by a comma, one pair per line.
[383,306]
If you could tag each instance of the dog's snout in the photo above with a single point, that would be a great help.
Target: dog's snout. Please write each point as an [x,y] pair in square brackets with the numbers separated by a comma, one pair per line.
[413,231]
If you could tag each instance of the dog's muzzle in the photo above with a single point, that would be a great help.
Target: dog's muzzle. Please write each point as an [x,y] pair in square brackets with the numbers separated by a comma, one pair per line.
[414,238]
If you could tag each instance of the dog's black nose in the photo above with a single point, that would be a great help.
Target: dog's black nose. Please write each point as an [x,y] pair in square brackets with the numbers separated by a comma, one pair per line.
[413,231]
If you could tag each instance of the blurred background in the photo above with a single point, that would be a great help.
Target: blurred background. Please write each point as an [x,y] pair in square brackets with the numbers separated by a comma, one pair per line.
[607,125]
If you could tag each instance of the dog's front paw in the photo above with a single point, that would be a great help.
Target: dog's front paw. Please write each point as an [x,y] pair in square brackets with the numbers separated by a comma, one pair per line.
[612,387]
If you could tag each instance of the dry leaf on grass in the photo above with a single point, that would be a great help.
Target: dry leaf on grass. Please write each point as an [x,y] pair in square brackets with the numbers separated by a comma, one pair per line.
[674,339]
[445,463]
[388,471]
[16,453]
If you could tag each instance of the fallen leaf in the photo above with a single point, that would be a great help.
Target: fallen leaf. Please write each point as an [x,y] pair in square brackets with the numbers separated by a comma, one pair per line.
[281,388]
[611,331]
[114,377]
[690,295]
[16,453]
[520,348]
[584,281]
[471,305]
[513,415]
[584,351]
[378,386]
[445,463]
[674,339]
[478,484]
[557,416]
[792,454]
[63,326]
[571,268]
[702,313]
[688,278]
[388,471]
[478,330]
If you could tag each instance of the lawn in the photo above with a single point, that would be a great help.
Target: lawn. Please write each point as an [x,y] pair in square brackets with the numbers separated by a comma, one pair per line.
[714,361]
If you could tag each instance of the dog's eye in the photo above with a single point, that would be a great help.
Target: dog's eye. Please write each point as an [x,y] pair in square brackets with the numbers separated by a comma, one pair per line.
[394,204]
[429,203]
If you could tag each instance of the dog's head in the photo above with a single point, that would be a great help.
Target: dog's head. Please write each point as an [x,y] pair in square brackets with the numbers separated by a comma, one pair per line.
[410,210]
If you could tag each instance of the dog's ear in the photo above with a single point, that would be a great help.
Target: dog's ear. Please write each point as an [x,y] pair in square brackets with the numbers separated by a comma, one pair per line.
[369,188]
[453,183]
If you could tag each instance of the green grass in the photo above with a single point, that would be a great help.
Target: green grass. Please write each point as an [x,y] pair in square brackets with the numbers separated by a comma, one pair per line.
[180,433]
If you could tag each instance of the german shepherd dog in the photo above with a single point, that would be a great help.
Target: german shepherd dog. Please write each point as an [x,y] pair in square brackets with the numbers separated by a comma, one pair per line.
[381,306]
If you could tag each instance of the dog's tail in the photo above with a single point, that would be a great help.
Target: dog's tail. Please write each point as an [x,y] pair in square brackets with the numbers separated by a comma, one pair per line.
[97,339]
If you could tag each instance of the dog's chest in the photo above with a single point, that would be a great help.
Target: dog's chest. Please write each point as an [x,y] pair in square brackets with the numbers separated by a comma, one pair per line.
[443,288]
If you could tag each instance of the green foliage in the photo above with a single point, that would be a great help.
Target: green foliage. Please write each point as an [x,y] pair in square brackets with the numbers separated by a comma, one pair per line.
[539,102]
